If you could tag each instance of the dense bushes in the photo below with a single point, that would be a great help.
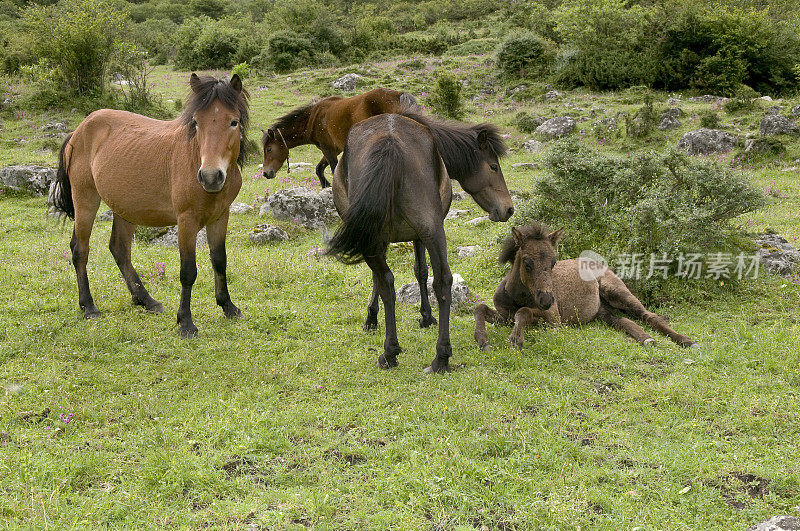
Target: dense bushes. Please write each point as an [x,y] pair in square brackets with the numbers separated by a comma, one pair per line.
[202,42]
[648,203]
[525,55]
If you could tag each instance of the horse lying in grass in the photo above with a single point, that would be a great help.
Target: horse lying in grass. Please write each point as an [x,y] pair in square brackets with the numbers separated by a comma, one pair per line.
[157,173]
[538,288]
[326,124]
[393,184]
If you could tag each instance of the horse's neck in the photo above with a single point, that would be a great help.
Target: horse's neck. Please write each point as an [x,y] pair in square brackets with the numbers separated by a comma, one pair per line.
[299,133]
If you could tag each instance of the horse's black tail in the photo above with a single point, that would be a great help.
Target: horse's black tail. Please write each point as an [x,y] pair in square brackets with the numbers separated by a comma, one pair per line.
[61,197]
[363,231]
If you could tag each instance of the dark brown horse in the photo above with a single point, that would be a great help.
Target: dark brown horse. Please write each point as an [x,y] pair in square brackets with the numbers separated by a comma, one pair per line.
[538,288]
[393,185]
[326,124]
[156,173]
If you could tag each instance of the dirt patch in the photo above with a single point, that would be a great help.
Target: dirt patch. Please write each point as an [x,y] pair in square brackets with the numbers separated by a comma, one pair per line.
[350,459]
[605,386]
[586,439]
[735,486]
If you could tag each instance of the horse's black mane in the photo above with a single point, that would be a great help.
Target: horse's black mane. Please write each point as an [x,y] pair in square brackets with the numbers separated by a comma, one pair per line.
[209,89]
[533,231]
[287,121]
[458,143]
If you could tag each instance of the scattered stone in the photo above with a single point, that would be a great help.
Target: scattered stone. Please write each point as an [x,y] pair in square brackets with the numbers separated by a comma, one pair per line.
[28,178]
[777,255]
[525,166]
[673,101]
[764,145]
[454,213]
[533,146]
[557,127]
[265,233]
[476,221]
[460,196]
[790,168]
[672,111]
[796,110]
[465,251]
[300,166]
[704,141]
[409,293]
[306,207]
[346,83]
[708,98]
[608,122]
[170,238]
[5,438]
[667,122]
[766,98]
[773,124]
[54,128]
[777,523]
[107,215]
[240,208]
[775,109]
[553,95]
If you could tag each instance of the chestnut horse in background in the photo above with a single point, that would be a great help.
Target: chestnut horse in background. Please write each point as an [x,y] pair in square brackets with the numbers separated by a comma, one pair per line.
[158,173]
[326,124]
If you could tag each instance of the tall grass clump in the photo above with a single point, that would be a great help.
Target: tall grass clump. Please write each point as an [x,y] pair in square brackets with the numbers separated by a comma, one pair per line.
[446,99]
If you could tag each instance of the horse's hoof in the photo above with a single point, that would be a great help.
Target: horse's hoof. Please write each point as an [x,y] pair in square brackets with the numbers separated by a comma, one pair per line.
[486,347]
[386,363]
[694,345]
[442,369]
[425,322]
[370,326]
[516,343]
[189,332]
[649,342]
[157,307]
[91,313]
[232,312]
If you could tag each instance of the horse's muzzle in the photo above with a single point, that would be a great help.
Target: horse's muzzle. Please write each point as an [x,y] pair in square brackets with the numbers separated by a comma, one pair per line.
[499,214]
[544,300]
[212,181]
[269,174]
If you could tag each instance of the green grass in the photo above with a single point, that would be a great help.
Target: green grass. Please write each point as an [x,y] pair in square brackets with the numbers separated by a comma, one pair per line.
[281,419]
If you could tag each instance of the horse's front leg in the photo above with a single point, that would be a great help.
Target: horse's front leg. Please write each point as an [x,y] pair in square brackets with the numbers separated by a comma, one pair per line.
[321,165]
[330,156]
[421,272]
[187,239]
[442,286]
[384,281]
[217,232]
[522,318]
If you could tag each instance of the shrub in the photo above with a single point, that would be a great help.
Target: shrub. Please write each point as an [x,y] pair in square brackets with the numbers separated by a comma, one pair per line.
[525,55]
[527,123]
[445,98]
[131,62]
[76,37]
[242,70]
[473,47]
[644,121]
[155,36]
[203,43]
[646,203]
[744,100]
[286,51]
[709,119]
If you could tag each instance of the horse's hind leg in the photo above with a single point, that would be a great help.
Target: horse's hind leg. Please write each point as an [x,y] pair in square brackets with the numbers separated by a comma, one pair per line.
[120,246]
[216,233]
[442,285]
[85,211]
[383,280]
[421,272]
[614,292]
[623,324]
[371,322]
[321,165]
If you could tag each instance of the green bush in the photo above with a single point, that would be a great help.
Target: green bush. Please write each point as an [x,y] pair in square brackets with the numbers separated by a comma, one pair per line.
[202,43]
[155,36]
[527,123]
[445,98]
[645,203]
[76,38]
[525,55]
[472,47]
[744,100]
[709,119]
[644,121]
[287,50]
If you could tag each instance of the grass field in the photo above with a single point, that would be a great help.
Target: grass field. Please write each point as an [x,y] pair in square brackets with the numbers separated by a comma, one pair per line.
[280,420]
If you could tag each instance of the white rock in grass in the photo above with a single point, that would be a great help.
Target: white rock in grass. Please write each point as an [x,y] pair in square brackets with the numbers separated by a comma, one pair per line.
[778,523]
[476,221]
[465,251]
[409,293]
[264,233]
[454,213]
[240,208]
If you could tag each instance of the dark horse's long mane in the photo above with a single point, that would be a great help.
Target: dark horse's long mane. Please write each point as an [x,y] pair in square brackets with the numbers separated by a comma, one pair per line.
[458,142]
[290,119]
[206,91]
[533,231]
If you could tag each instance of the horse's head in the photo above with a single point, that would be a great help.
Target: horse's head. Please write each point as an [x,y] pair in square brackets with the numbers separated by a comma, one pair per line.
[531,248]
[218,120]
[485,183]
[275,152]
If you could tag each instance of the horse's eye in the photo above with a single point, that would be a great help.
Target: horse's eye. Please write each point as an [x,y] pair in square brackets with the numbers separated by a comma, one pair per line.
[234,123]
[494,167]
[269,149]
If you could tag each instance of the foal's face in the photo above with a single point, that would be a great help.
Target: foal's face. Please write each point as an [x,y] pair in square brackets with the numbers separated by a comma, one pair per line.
[218,135]
[535,260]
[275,153]
[488,186]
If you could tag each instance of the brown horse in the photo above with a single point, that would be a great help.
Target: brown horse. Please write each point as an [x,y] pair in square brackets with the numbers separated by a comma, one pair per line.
[326,124]
[156,173]
[392,185]
[538,288]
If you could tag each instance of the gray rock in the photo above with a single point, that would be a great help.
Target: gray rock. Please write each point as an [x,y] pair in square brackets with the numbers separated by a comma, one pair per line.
[766,98]
[672,111]
[557,127]
[704,141]
[525,166]
[673,101]
[347,82]
[708,98]
[306,207]
[668,122]
[533,146]
[608,122]
[240,208]
[28,178]
[454,213]
[775,109]
[764,145]
[553,95]
[777,523]
[465,251]
[264,233]
[476,221]
[775,124]
[170,238]
[54,127]
[777,255]
[795,110]
[106,216]
[409,293]
[300,166]
[460,196]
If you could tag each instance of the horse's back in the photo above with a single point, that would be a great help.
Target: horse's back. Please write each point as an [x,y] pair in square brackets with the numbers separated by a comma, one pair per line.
[578,300]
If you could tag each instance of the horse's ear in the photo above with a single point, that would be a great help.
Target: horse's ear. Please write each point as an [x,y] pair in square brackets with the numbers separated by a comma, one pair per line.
[483,138]
[556,236]
[194,82]
[517,235]
[271,134]
[236,83]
